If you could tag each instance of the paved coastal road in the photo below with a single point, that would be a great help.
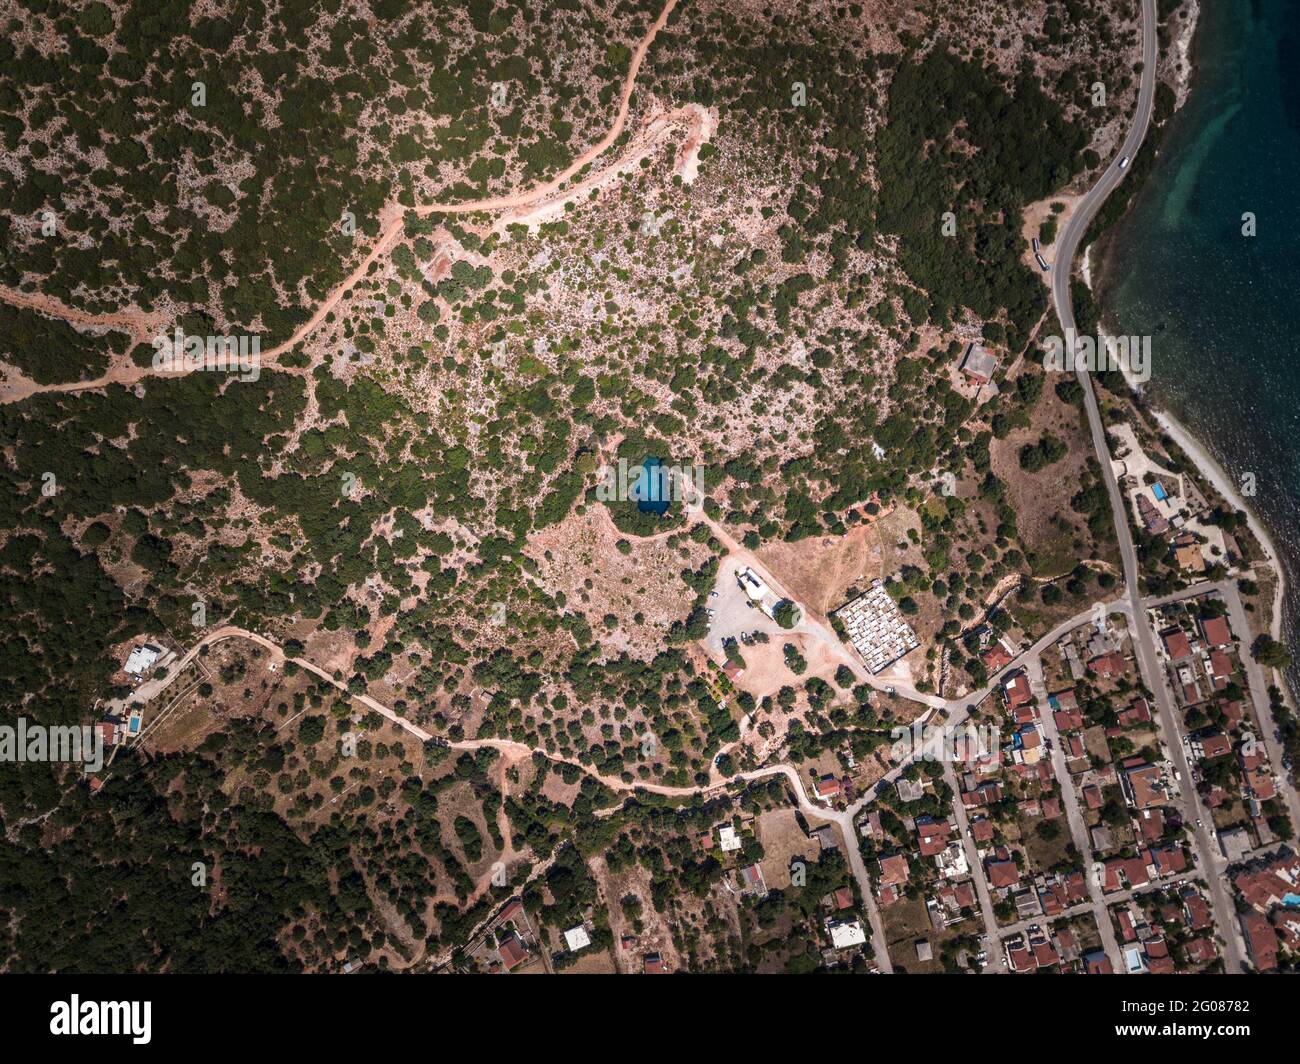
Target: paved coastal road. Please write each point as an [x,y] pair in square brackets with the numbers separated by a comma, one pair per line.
[1086,209]
[1144,640]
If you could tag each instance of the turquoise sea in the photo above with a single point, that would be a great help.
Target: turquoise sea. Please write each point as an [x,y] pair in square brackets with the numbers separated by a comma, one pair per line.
[1223,307]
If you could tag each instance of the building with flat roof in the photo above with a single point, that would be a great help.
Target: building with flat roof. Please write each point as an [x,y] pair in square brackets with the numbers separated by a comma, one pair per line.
[978,364]
[141,659]
[846,933]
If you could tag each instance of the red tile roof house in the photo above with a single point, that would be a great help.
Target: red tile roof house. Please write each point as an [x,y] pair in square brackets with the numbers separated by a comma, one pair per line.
[1261,941]
[1045,954]
[985,794]
[1144,784]
[1216,744]
[1176,644]
[1220,666]
[1111,664]
[1234,712]
[1052,898]
[1002,874]
[1097,963]
[886,896]
[894,870]
[1092,796]
[1127,932]
[733,671]
[996,657]
[934,836]
[1066,701]
[1152,825]
[512,950]
[1020,959]
[964,894]
[1200,951]
[1287,924]
[1266,882]
[1258,778]
[1121,873]
[1068,720]
[1137,713]
[1169,860]
[1216,631]
[1015,688]
[1076,888]
[511,912]
[981,829]
[1197,911]
[826,787]
[1159,962]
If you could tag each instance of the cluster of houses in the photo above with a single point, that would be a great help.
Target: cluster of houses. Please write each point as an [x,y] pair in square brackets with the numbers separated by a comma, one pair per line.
[876,628]
[845,933]
[1163,932]
[1230,765]
[748,878]
[1135,836]
[124,720]
[1169,505]
[1043,948]
[922,860]
[1270,921]
[510,944]
[509,941]
[1163,512]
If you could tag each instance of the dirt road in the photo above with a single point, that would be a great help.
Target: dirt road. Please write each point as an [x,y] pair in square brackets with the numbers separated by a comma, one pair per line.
[548,196]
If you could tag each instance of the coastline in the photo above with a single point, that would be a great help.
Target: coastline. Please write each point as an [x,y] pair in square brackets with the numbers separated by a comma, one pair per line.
[1212,471]
[1182,65]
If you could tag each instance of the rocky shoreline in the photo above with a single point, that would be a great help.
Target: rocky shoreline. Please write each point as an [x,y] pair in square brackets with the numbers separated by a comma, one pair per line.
[1178,68]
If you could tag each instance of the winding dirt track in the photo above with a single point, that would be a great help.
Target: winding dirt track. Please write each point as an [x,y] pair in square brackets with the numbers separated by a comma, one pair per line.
[551,194]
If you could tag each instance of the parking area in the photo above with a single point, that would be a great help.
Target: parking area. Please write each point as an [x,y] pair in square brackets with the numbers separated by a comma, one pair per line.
[734,615]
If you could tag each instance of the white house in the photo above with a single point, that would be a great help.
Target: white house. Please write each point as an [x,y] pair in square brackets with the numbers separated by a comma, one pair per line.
[141,659]
[846,933]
